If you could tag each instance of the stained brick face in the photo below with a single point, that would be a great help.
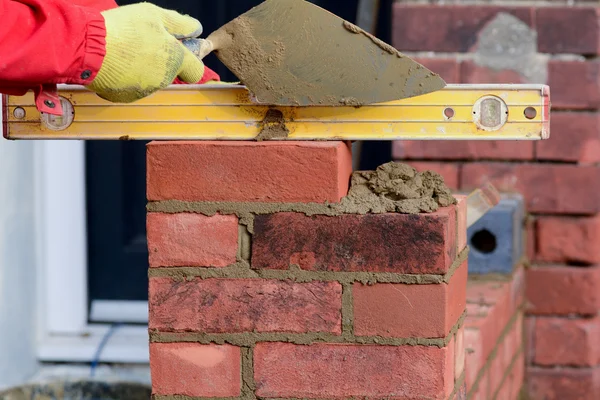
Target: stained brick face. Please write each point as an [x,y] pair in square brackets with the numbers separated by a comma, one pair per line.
[357,243]
[245,305]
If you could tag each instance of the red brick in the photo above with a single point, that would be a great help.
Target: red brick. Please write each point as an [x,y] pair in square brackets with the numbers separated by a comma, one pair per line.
[567,342]
[575,138]
[283,370]
[503,391]
[489,308]
[191,240]
[530,242]
[444,28]
[480,318]
[463,150]
[529,332]
[483,391]
[568,240]
[547,188]
[353,243]
[474,355]
[471,72]
[568,30]
[244,305]
[286,171]
[490,293]
[517,377]
[448,171]
[400,310]
[461,216]
[559,290]
[517,288]
[459,353]
[192,369]
[574,84]
[511,342]
[497,368]
[451,361]
[447,68]
[563,383]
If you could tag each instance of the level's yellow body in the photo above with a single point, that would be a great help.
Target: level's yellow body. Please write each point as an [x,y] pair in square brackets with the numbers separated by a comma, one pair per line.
[226,112]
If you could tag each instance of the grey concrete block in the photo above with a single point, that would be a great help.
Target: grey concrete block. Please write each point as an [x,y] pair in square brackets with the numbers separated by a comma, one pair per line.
[496,240]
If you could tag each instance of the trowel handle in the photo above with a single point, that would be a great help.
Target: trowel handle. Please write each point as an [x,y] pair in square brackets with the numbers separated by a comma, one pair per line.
[200,47]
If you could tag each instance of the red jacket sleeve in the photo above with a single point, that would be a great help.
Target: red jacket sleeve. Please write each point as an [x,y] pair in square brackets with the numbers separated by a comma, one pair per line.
[47,42]
[50,41]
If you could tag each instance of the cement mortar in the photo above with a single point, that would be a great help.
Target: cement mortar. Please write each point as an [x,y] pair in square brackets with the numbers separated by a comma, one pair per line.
[244,244]
[242,270]
[248,385]
[458,384]
[273,126]
[347,309]
[249,339]
[395,187]
[507,43]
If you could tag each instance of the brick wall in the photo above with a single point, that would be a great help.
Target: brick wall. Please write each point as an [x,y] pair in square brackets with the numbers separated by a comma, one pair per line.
[256,290]
[527,42]
[494,338]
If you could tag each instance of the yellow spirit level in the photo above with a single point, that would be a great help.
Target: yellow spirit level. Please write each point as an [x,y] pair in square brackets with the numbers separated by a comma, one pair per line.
[226,112]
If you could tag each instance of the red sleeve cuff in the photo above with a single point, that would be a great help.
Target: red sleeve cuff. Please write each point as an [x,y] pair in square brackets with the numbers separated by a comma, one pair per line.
[93,49]
[209,75]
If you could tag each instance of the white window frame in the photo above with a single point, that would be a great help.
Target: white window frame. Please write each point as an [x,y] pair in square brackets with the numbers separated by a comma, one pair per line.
[64,333]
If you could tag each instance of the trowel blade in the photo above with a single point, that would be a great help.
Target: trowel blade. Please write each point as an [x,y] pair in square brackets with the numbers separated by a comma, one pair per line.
[294,53]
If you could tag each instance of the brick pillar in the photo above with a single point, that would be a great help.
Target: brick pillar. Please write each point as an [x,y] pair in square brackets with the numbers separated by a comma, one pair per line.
[258,290]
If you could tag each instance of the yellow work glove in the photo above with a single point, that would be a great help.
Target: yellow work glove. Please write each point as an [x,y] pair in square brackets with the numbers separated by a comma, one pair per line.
[143,53]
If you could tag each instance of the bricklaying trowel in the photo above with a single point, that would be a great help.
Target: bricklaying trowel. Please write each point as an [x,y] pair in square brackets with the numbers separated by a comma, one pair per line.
[294,53]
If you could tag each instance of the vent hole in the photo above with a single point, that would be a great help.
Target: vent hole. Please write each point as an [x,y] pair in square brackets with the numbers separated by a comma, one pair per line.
[484,241]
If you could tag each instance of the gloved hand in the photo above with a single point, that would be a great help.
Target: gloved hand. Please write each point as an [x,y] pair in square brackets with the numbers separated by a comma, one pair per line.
[143,53]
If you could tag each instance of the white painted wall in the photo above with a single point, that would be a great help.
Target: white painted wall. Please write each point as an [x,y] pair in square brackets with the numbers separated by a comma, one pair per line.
[34,176]
[17,263]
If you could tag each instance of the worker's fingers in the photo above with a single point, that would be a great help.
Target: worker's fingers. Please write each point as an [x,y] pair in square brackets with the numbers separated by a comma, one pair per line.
[180,26]
[192,68]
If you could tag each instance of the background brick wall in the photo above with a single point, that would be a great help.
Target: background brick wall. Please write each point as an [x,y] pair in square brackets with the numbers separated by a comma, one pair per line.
[252,297]
[530,42]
